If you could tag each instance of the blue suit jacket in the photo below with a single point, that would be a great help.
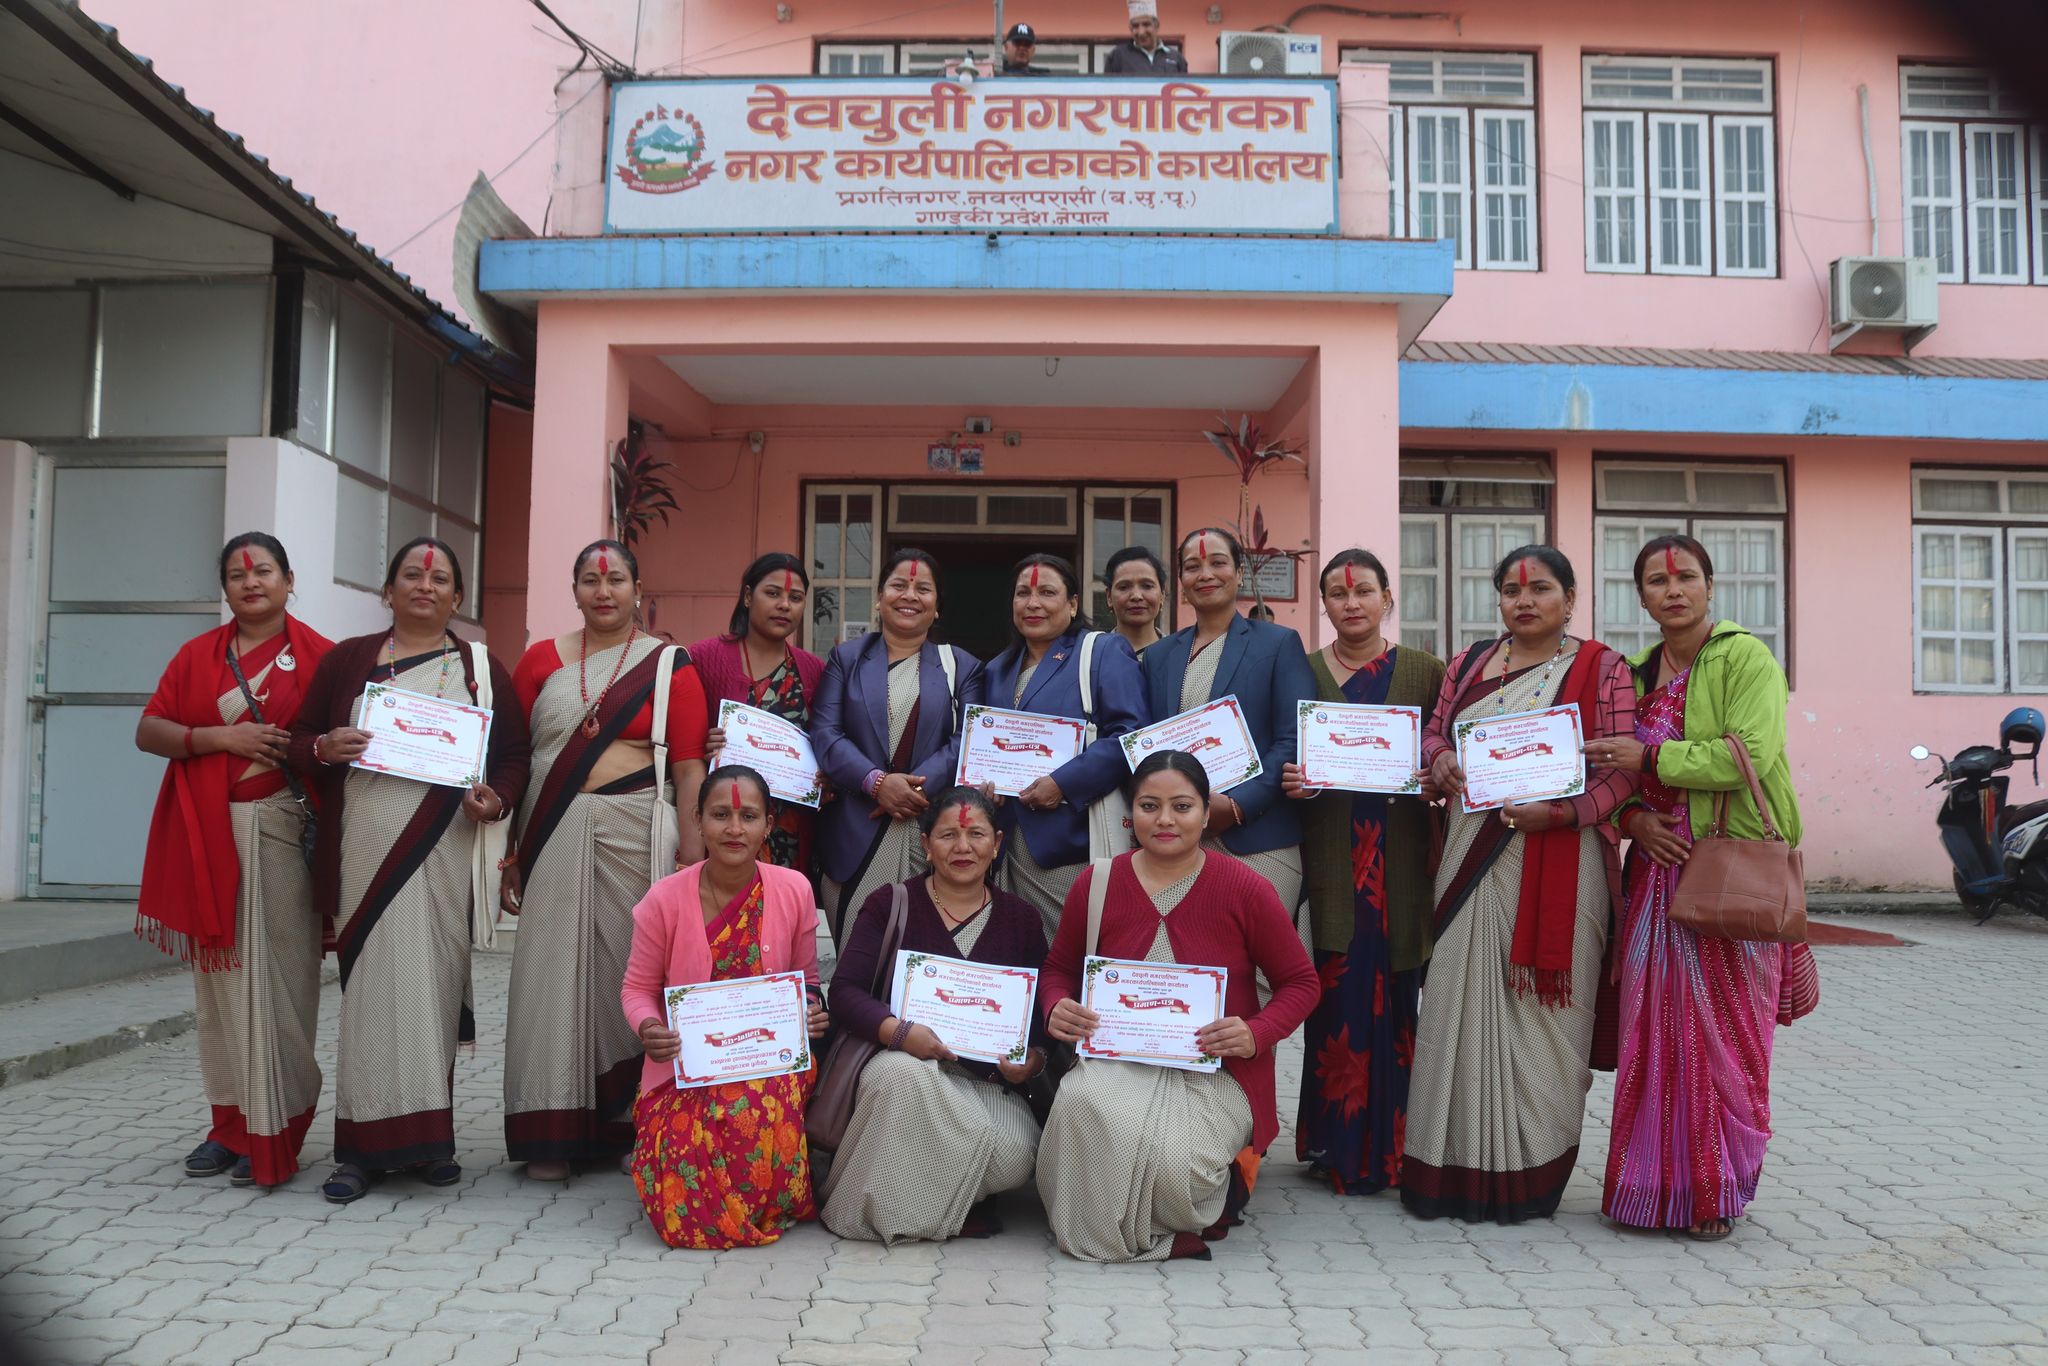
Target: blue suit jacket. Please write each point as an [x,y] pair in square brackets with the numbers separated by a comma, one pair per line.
[850,732]
[1059,837]
[1266,666]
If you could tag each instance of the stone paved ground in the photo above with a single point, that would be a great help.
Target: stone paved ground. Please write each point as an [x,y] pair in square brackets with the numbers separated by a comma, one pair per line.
[1903,1218]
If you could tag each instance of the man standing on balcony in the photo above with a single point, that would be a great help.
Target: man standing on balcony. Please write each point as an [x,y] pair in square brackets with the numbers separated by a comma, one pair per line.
[1018,45]
[1145,55]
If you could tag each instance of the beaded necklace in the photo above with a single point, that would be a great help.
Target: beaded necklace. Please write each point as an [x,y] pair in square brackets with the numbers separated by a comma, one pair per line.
[1507,666]
[391,661]
[583,680]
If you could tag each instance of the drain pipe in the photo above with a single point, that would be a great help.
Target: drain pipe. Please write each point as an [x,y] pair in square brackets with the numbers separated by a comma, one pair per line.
[999,35]
[1869,162]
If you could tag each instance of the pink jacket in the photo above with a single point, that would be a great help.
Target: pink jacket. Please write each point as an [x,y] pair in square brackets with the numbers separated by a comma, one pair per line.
[669,947]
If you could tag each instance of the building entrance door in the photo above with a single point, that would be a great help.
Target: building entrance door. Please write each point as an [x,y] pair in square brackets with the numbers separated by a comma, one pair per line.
[126,574]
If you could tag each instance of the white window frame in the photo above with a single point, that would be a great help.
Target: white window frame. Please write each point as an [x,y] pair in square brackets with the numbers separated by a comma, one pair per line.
[1513,188]
[1727,198]
[1677,195]
[2040,205]
[2003,478]
[1957,635]
[1092,539]
[1618,608]
[1678,69]
[1692,503]
[1928,204]
[1617,196]
[1439,530]
[1466,630]
[1419,191]
[1976,205]
[980,496]
[841,581]
[886,51]
[2000,100]
[2015,585]
[1440,98]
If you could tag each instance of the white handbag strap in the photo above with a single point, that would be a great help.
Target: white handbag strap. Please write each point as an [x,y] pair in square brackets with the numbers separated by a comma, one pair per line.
[480,670]
[1088,644]
[664,669]
[1098,892]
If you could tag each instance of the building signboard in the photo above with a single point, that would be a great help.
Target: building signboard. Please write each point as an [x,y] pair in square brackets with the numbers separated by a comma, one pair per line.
[915,154]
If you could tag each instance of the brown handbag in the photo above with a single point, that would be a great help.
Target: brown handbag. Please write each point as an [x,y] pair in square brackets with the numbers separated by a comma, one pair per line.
[1742,889]
[830,1107]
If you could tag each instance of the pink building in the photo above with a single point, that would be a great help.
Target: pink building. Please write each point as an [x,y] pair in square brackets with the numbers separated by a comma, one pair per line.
[1562,273]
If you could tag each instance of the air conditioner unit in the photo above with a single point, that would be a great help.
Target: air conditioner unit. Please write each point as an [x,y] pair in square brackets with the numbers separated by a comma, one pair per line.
[1269,54]
[1888,293]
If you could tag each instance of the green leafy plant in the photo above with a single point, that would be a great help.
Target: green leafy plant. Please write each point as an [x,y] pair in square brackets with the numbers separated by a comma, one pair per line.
[641,491]
[1250,450]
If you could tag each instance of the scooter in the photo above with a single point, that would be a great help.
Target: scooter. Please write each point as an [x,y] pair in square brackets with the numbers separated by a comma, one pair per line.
[1999,851]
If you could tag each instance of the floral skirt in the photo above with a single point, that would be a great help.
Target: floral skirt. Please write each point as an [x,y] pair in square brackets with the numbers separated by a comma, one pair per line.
[723,1166]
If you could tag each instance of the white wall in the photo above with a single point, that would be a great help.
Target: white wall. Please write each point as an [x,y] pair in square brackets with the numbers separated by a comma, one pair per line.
[17,658]
[282,488]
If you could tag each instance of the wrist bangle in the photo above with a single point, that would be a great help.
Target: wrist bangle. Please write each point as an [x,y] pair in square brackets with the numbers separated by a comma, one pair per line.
[316,749]
[902,1033]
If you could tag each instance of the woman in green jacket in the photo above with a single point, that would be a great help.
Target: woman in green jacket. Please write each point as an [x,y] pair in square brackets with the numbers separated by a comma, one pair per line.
[1366,864]
[1692,1091]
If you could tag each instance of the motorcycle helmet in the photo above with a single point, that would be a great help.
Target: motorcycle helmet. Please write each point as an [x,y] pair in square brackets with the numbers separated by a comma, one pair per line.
[2022,726]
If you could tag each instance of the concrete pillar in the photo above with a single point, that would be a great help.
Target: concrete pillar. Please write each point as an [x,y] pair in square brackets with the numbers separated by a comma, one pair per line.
[582,417]
[18,605]
[1354,425]
[1362,136]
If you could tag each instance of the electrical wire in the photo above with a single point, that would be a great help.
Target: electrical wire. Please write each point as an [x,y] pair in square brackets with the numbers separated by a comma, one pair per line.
[610,65]
[724,51]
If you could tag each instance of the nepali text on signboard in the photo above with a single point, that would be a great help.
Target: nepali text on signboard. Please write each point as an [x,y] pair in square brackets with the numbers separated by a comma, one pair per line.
[893,154]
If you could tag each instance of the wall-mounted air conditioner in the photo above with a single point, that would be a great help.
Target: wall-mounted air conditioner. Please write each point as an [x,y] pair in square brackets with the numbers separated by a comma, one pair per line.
[1882,293]
[1269,54]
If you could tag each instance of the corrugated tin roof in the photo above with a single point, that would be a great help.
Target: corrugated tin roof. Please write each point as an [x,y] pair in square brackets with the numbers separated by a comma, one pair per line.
[1930,367]
[166,146]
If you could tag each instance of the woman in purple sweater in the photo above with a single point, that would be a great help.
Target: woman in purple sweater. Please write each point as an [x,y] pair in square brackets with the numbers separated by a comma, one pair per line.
[933,1139]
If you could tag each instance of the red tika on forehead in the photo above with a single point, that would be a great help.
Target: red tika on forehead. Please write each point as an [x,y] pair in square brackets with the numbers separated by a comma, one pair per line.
[912,571]
[248,560]
[1202,545]
[1670,562]
[428,562]
[1349,582]
[1522,572]
[735,794]
[963,813]
[788,581]
[1034,584]
[604,563]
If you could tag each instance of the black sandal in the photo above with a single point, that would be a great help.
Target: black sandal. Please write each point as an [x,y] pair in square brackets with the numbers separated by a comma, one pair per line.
[345,1184]
[439,1171]
[1705,1231]
[243,1173]
[209,1159]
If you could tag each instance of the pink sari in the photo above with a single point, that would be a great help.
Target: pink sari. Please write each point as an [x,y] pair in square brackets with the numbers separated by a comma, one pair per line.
[1692,1108]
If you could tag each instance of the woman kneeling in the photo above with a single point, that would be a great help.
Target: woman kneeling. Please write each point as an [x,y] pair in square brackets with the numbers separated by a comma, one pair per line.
[721,1165]
[933,1139]
[1140,1162]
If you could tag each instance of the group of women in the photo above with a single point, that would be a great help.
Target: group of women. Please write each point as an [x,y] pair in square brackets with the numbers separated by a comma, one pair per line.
[1450,966]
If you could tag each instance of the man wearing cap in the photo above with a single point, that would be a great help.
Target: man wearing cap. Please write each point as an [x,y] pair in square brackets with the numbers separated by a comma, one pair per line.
[1018,45]
[1145,55]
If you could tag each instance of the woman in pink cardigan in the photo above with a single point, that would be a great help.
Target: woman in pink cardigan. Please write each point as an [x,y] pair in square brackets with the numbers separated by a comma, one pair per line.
[723,1165]
[1141,1162]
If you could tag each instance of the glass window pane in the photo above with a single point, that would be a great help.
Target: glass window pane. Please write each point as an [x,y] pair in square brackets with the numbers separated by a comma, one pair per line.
[1937,608]
[407,521]
[825,554]
[1657,486]
[413,418]
[358,533]
[1755,489]
[1959,495]
[1937,555]
[1976,557]
[1418,545]
[184,360]
[362,374]
[1976,608]
[1977,664]
[2029,495]
[2030,664]
[860,608]
[460,484]
[860,546]
[1937,662]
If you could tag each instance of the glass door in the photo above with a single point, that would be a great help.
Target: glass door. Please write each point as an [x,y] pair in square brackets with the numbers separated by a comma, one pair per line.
[1117,518]
[842,527]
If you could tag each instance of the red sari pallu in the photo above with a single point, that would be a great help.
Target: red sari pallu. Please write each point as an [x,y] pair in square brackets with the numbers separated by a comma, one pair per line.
[225,888]
[727,1165]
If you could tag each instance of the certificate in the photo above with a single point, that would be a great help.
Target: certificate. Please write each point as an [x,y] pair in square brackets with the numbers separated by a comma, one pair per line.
[979,1010]
[1150,1011]
[1523,756]
[1214,734]
[1013,749]
[776,749]
[428,739]
[1359,748]
[740,1028]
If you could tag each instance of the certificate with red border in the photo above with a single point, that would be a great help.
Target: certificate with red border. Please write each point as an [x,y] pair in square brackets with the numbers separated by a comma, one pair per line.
[739,1028]
[425,738]
[777,749]
[1524,756]
[979,1010]
[1214,734]
[1013,749]
[1354,747]
[1150,1011]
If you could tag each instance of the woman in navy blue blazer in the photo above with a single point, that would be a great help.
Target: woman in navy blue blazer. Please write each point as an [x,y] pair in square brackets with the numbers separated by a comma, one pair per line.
[1047,825]
[1266,667]
[885,726]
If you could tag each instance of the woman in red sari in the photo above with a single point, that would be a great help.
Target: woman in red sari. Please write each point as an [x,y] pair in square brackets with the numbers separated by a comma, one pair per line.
[224,882]
[722,1165]
[758,662]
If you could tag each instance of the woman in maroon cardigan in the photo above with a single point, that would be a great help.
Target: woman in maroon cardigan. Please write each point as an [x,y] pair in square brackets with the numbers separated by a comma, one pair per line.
[1141,1162]
[933,1139]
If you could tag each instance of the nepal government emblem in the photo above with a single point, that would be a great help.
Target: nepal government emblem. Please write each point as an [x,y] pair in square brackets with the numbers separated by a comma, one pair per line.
[665,153]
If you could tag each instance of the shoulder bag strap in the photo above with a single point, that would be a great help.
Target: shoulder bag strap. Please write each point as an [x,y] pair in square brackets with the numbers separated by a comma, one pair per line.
[1098,892]
[1756,788]
[664,667]
[291,779]
[1088,643]
[492,837]
[892,940]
